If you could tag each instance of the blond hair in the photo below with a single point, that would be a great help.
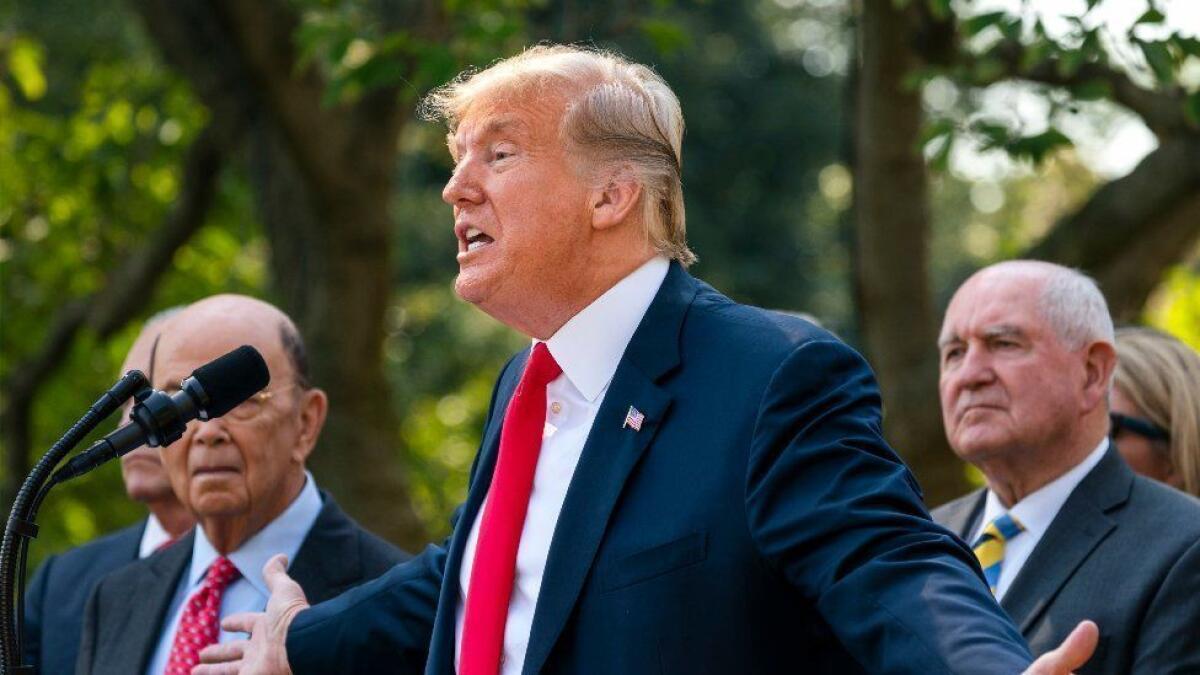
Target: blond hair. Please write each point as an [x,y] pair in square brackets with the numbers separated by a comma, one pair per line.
[1161,376]
[619,113]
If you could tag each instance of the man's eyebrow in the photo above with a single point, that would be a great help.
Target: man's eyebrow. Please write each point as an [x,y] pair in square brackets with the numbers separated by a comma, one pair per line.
[1003,330]
[946,340]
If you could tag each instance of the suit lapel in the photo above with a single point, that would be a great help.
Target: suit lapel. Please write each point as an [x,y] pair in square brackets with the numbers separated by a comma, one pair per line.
[132,641]
[609,456]
[442,645]
[328,561]
[1079,527]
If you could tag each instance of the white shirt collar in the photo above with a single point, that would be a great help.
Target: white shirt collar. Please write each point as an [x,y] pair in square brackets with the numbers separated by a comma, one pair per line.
[153,536]
[590,345]
[282,535]
[1039,508]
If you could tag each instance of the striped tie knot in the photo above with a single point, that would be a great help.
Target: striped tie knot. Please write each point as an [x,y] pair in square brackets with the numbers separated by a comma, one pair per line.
[989,547]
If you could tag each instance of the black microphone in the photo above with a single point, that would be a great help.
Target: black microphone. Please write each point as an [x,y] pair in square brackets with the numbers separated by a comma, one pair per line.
[159,418]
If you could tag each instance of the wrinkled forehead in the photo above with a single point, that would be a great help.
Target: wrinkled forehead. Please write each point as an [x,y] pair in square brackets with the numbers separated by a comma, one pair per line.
[987,306]
[183,351]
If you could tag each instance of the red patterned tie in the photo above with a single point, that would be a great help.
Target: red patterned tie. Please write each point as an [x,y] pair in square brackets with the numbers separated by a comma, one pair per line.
[200,624]
[504,517]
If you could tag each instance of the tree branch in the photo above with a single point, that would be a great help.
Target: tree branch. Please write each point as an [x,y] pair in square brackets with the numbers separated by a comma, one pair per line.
[1133,227]
[115,304]
[1162,111]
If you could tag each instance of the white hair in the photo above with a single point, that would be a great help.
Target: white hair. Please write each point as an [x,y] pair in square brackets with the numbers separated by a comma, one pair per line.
[1071,302]
[619,112]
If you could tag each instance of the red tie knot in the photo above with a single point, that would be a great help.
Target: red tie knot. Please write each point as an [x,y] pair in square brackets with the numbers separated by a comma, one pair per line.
[221,573]
[542,368]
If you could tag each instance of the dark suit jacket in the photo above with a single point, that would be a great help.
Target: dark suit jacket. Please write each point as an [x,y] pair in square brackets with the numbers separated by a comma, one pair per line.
[126,612]
[757,523]
[1123,551]
[59,590]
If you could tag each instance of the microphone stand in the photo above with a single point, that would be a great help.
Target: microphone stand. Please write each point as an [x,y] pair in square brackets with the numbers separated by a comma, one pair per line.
[21,526]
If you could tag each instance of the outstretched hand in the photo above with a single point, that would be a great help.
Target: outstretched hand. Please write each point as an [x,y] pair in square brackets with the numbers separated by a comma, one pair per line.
[265,653]
[1071,654]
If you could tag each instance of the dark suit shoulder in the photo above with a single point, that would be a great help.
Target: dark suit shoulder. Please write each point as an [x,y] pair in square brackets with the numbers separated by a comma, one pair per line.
[760,329]
[1153,503]
[105,553]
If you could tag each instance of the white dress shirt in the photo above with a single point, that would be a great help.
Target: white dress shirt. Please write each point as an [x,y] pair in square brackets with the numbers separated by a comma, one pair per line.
[588,347]
[153,536]
[1036,511]
[249,592]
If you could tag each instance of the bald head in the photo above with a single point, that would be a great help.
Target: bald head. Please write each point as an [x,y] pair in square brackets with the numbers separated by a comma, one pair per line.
[233,320]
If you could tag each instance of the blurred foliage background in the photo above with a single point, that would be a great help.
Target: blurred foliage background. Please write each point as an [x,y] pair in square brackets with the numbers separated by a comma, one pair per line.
[153,153]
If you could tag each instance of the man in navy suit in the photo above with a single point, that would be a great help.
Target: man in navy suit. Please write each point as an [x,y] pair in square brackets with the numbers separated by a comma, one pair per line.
[669,482]
[59,590]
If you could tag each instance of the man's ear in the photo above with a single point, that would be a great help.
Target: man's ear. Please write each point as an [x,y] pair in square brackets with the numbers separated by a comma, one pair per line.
[314,405]
[616,198]
[1101,360]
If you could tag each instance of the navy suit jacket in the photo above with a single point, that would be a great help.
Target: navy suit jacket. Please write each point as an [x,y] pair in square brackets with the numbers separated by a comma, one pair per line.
[124,617]
[58,592]
[757,523]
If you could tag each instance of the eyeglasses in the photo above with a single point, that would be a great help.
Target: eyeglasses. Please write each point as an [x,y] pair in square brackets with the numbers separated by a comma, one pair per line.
[1138,425]
[253,406]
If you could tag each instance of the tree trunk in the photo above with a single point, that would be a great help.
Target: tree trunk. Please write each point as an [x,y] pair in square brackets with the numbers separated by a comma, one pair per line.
[892,288]
[322,176]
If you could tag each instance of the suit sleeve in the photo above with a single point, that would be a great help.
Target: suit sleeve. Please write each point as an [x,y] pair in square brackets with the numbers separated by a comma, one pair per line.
[1167,641]
[837,513]
[35,597]
[384,625]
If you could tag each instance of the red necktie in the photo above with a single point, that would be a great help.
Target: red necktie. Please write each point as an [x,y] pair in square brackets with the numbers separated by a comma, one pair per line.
[199,626]
[504,517]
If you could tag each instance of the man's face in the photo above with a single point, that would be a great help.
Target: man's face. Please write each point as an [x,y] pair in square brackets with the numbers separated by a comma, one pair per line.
[520,209]
[1007,382]
[231,468]
[142,470]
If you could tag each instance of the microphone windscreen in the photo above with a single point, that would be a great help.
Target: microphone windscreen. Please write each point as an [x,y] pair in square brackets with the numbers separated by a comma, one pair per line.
[230,379]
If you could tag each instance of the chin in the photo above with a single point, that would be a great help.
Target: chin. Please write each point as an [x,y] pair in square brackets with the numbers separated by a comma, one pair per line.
[468,287]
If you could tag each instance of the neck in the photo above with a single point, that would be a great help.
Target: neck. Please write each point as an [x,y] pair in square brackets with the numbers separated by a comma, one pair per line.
[228,533]
[551,313]
[171,514]
[1014,475]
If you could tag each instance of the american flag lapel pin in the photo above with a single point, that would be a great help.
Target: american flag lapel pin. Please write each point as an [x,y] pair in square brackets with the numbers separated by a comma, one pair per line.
[634,419]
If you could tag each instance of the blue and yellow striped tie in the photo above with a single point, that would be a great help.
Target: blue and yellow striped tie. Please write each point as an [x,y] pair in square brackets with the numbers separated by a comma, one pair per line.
[989,547]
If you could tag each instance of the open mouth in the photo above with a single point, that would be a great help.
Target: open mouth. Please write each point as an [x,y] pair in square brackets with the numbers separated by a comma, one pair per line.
[476,239]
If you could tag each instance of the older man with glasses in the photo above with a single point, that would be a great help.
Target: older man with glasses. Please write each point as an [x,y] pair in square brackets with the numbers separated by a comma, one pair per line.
[243,477]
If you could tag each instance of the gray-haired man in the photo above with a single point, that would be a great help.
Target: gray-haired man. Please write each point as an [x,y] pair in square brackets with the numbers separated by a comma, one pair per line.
[1064,529]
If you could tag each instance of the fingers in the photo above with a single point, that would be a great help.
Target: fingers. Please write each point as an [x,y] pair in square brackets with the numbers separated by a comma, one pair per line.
[275,571]
[216,669]
[1071,654]
[223,652]
[242,622]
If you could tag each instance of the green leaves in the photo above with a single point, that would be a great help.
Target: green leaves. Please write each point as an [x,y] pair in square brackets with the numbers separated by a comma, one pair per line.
[1159,58]
[1034,147]
[1151,15]
[24,62]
